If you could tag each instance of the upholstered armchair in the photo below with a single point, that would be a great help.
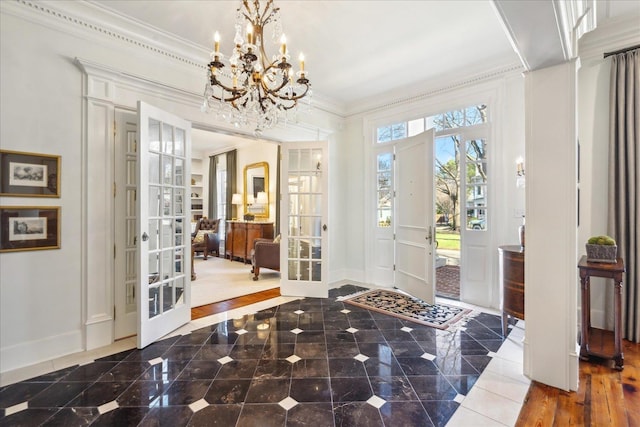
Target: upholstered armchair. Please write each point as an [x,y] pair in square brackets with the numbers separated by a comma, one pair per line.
[205,237]
[265,254]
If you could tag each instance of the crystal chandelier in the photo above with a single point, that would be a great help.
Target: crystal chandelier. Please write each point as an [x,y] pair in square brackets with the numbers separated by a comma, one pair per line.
[255,89]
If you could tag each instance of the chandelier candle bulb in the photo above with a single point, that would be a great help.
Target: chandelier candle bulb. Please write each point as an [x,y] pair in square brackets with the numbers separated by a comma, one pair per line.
[301,62]
[216,39]
[283,40]
[249,33]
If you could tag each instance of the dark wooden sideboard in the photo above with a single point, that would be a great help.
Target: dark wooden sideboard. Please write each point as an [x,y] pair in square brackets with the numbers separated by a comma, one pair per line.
[512,283]
[241,235]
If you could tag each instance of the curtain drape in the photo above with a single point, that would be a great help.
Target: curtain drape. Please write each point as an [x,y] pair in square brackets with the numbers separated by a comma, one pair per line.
[624,175]
[277,227]
[232,185]
[213,187]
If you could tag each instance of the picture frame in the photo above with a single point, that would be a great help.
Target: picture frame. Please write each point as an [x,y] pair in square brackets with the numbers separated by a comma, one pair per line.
[28,228]
[25,174]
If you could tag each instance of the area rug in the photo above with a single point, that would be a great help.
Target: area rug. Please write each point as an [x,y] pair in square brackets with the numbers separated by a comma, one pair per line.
[407,307]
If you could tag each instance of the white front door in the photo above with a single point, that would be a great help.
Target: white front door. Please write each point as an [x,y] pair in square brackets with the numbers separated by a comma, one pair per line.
[164,234]
[125,218]
[304,211]
[415,234]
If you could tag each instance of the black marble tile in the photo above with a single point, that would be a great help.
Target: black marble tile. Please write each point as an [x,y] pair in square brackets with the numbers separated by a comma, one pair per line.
[310,337]
[378,350]
[456,365]
[310,414]
[404,414]
[167,370]
[73,417]
[433,387]
[352,414]
[181,352]
[216,415]
[346,368]
[278,350]
[383,367]
[310,389]
[194,338]
[99,393]
[370,336]
[213,351]
[350,389]
[58,394]
[249,351]
[462,383]
[342,350]
[183,393]
[478,362]
[311,350]
[222,337]
[393,388]
[200,370]
[170,416]
[148,353]
[29,417]
[363,323]
[339,336]
[396,335]
[228,392]
[125,371]
[90,372]
[252,338]
[491,345]
[268,391]
[262,415]
[237,369]
[406,349]
[306,368]
[273,369]
[121,417]
[61,373]
[20,392]
[440,411]
[143,393]
[417,366]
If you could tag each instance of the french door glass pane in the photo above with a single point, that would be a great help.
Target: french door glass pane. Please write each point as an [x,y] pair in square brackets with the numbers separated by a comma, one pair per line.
[384,191]
[476,180]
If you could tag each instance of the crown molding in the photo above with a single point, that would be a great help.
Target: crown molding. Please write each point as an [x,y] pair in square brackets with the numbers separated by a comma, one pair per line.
[613,34]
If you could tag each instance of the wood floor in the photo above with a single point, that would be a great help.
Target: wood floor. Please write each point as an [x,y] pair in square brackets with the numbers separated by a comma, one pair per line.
[230,304]
[605,397]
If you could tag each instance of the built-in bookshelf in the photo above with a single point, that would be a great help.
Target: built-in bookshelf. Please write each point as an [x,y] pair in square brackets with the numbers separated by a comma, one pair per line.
[197,190]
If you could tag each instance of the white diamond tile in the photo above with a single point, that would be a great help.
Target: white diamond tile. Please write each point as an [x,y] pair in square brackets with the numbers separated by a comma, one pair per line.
[352,330]
[198,405]
[345,311]
[107,407]
[155,361]
[406,329]
[288,403]
[241,331]
[293,359]
[296,331]
[225,360]
[459,398]
[428,356]
[491,354]
[376,402]
[299,311]
[16,408]
[361,357]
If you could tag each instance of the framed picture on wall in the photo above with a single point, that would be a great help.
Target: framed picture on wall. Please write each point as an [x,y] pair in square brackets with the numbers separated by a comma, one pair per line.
[29,174]
[28,228]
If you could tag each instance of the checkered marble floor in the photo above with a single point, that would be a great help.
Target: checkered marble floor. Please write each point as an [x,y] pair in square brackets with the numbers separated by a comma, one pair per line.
[308,362]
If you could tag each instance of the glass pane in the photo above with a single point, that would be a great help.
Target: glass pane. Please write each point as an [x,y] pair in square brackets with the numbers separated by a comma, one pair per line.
[294,160]
[476,219]
[476,114]
[384,161]
[310,226]
[294,248]
[167,233]
[131,171]
[130,266]
[384,199]
[178,206]
[154,135]
[179,290]
[384,180]
[154,268]
[167,170]
[167,138]
[384,218]
[316,248]
[179,172]
[310,204]
[416,127]
[477,150]
[166,201]
[293,270]
[154,168]
[154,201]
[179,142]
[316,184]
[154,235]
[168,266]
[399,130]
[384,134]
[305,160]
[132,147]
[178,261]
[154,301]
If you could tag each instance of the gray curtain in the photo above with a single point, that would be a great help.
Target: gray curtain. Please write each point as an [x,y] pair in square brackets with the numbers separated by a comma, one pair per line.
[232,185]
[624,176]
[278,161]
[213,187]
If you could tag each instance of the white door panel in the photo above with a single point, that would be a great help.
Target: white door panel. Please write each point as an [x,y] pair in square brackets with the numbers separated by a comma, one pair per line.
[415,244]
[303,219]
[164,234]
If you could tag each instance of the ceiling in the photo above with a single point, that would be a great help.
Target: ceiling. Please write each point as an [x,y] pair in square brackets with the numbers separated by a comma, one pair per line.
[360,51]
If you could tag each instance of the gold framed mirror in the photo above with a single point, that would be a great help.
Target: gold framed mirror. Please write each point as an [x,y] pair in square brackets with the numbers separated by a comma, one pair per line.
[256,190]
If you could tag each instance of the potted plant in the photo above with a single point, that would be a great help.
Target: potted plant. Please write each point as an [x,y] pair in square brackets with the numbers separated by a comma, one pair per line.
[601,249]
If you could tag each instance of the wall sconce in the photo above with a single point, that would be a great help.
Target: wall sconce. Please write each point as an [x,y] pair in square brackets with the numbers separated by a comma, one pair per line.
[262,198]
[520,181]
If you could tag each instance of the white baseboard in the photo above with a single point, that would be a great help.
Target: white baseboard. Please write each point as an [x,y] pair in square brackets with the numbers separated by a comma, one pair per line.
[34,352]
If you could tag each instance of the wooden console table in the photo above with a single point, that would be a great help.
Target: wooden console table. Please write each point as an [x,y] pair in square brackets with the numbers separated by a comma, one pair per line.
[512,282]
[598,342]
[240,237]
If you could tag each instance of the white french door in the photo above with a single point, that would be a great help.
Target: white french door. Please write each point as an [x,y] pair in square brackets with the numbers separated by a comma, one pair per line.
[415,234]
[125,219]
[304,211]
[163,238]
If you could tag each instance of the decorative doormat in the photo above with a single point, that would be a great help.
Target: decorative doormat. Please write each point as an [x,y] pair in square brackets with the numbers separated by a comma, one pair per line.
[406,307]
